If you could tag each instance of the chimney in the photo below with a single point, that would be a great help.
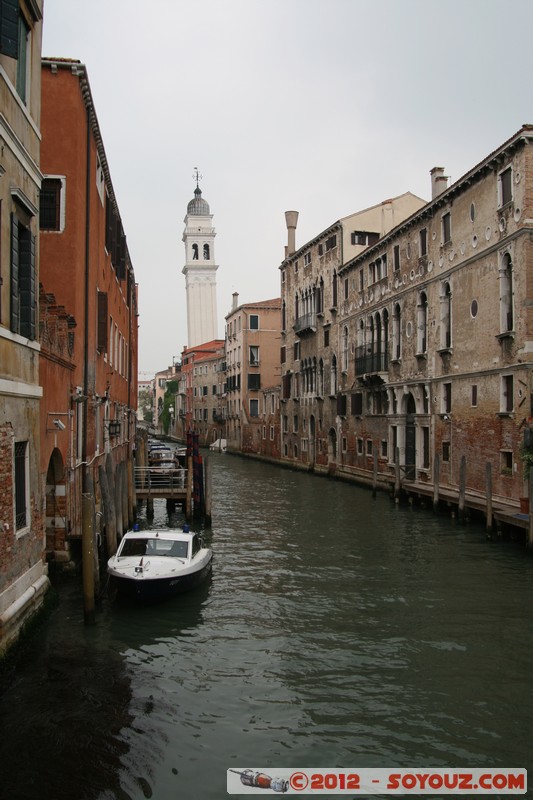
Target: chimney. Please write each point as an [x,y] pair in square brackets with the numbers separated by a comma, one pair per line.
[235,302]
[439,181]
[291,219]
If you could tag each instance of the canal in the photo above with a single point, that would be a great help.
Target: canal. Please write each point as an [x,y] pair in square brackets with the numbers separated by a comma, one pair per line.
[338,629]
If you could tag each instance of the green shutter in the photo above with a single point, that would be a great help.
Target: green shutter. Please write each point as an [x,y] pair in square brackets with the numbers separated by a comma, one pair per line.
[27,283]
[9,27]
[15,299]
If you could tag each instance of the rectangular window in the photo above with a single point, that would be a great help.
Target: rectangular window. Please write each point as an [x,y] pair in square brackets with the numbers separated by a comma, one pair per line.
[357,403]
[307,259]
[346,288]
[50,205]
[506,462]
[384,448]
[423,242]
[341,405]
[505,183]
[295,423]
[331,242]
[359,446]
[21,485]
[254,322]
[446,398]
[296,351]
[446,228]
[326,337]
[344,444]
[425,447]
[396,257]
[254,356]
[254,382]
[101,345]
[361,280]
[446,452]
[23,279]
[507,399]
[100,180]
[369,446]
[23,60]
[271,433]
[474,395]
[283,354]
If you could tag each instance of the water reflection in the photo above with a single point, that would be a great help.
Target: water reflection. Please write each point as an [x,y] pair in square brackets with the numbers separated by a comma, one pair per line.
[337,630]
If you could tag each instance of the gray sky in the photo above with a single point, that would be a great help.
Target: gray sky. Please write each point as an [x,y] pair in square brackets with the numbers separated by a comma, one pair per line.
[322,106]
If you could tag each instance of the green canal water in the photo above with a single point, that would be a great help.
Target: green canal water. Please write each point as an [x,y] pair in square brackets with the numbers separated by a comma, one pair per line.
[338,630]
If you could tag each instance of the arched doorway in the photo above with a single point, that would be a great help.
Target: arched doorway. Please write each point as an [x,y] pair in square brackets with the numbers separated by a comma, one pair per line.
[56,505]
[410,439]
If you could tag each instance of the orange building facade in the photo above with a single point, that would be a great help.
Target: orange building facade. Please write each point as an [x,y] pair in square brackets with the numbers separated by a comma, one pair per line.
[89,325]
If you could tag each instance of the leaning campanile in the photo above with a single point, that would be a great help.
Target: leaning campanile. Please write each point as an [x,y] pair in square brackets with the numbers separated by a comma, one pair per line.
[200,270]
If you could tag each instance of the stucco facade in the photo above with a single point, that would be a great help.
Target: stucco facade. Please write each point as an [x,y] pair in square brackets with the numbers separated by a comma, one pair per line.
[252,363]
[23,573]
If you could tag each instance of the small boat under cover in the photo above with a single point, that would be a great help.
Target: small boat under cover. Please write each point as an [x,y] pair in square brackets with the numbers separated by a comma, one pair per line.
[158,563]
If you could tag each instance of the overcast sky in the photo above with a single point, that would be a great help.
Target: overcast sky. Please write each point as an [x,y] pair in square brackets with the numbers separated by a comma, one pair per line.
[322,106]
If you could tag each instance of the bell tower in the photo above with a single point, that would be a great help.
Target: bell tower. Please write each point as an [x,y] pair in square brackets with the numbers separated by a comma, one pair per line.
[200,270]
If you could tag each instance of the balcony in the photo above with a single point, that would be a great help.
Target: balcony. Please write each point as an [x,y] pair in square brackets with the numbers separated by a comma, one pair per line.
[368,361]
[305,324]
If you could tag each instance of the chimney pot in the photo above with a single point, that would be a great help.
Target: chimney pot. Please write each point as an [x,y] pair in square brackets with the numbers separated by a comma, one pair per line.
[439,181]
[291,220]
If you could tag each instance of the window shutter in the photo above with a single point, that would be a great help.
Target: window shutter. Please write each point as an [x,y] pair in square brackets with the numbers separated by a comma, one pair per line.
[26,283]
[357,403]
[102,322]
[9,27]
[108,226]
[32,290]
[15,302]
[121,262]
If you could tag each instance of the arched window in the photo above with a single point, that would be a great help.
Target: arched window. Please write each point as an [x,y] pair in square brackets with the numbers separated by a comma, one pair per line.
[195,252]
[320,386]
[206,252]
[422,323]
[344,366]
[333,375]
[506,295]
[446,316]
[320,297]
[385,330]
[397,332]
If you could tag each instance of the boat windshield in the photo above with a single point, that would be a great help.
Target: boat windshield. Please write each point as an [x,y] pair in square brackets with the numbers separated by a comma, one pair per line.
[154,547]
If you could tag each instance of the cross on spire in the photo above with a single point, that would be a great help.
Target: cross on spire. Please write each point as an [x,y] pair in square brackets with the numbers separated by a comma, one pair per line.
[197,177]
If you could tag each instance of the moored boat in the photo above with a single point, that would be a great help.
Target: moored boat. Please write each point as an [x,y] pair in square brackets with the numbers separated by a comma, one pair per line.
[155,564]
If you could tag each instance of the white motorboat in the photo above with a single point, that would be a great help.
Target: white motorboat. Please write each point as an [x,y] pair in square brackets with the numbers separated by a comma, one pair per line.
[156,564]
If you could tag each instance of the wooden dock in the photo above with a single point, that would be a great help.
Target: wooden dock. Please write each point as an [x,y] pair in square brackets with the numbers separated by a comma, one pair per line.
[175,486]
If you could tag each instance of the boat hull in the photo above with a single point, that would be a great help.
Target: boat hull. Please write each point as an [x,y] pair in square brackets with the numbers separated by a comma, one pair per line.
[153,589]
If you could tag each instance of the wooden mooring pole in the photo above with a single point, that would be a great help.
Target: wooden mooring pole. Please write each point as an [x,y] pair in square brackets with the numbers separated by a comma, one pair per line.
[207,491]
[87,546]
[488,479]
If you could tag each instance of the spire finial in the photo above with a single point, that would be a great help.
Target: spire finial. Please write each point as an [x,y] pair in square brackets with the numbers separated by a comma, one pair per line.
[197,177]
